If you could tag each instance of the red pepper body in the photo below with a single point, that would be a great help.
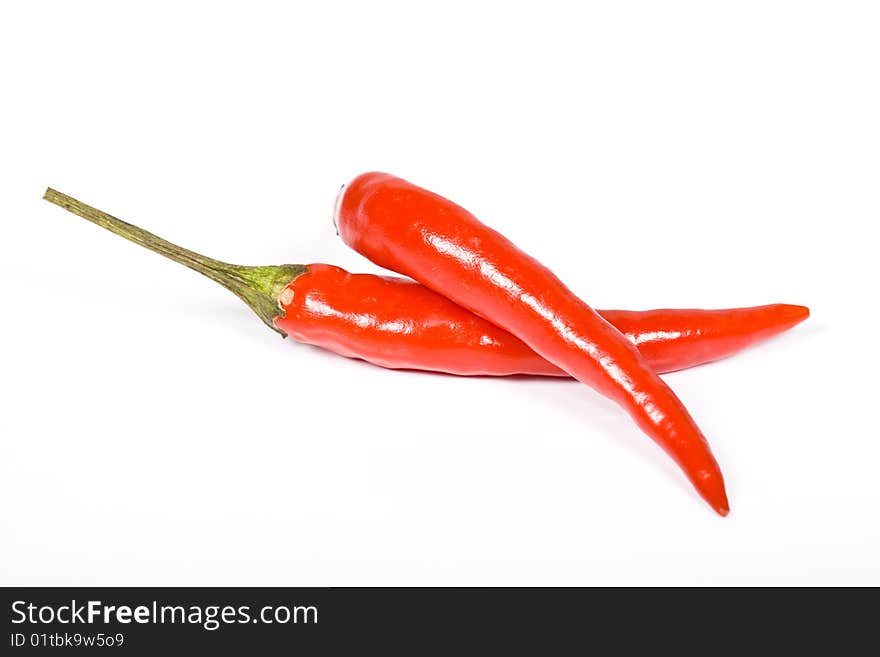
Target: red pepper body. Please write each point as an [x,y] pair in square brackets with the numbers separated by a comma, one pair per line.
[397,323]
[676,339]
[422,235]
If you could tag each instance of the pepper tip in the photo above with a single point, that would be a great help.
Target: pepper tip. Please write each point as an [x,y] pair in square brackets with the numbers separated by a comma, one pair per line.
[797,313]
[720,503]
[710,487]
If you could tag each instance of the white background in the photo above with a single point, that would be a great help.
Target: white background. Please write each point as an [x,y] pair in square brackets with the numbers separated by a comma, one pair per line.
[653,154]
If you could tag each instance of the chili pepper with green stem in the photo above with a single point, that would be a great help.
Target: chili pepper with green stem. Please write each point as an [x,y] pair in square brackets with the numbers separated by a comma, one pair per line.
[397,323]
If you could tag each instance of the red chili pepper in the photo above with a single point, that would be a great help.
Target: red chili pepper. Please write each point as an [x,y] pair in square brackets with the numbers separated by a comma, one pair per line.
[397,323]
[422,235]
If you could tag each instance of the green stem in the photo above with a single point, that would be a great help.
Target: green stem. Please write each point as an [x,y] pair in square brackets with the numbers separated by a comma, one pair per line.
[258,287]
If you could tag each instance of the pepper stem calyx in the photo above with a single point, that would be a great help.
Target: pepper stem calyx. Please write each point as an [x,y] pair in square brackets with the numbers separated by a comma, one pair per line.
[258,287]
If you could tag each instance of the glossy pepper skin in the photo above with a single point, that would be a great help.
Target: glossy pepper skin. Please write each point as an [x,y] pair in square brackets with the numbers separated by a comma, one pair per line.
[412,231]
[397,323]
